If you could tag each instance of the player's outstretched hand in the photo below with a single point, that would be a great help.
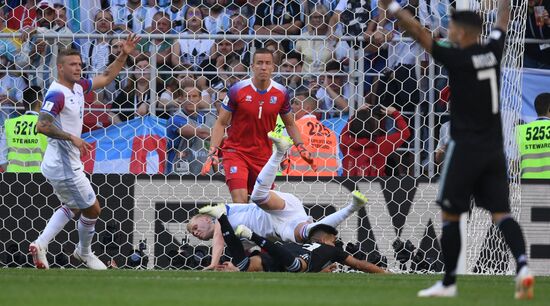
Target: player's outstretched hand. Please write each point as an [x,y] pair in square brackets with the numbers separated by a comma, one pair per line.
[306,155]
[82,145]
[227,267]
[212,161]
[130,43]
[330,268]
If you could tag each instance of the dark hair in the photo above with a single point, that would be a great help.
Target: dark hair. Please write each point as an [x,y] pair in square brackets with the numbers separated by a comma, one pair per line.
[295,55]
[31,96]
[542,104]
[184,22]
[322,228]
[103,12]
[468,19]
[66,52]
[60,6]
[262,51]
[162,14]
[140,58]
[333,65]
[366,123]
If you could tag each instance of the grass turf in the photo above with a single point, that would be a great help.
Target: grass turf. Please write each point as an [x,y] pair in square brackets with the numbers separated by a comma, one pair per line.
[159,288]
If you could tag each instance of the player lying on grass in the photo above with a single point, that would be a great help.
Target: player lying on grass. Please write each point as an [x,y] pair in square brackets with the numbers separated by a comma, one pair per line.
[275,215]
[287,257]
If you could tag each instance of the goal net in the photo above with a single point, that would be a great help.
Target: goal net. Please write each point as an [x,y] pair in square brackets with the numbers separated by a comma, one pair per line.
[150,127]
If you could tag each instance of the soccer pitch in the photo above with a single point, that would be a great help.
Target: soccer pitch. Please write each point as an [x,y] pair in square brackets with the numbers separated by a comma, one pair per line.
[158,288]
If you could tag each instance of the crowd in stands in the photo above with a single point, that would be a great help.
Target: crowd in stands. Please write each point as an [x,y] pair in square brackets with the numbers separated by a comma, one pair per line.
[185,80]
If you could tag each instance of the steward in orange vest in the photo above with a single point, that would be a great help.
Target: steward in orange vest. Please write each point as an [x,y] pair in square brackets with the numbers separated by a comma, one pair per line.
[318,139]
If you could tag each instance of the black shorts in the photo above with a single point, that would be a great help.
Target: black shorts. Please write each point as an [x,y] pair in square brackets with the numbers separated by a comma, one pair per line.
[471,172]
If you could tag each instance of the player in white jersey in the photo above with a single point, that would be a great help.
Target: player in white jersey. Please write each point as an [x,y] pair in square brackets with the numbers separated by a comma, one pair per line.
[275,215]
[61,120]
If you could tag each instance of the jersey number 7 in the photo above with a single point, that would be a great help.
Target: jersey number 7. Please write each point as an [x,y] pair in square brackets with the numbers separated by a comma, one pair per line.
[491,75]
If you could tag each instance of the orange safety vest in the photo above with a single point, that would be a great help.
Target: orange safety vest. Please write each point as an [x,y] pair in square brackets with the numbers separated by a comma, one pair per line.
[323,145]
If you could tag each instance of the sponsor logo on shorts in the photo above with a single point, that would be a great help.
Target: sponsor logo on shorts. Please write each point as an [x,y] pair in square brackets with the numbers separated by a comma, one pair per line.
[233,169]
[446,203]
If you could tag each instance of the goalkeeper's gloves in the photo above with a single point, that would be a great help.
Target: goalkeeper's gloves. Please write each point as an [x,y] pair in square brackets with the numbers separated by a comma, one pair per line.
[212,161]
[306,155]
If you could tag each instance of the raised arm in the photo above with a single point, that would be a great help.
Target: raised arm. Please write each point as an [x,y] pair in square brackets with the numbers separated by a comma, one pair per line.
[113,70]
[503,15]
[409,23]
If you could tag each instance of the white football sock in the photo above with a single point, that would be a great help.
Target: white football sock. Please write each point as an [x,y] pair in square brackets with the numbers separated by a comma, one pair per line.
[56,223]
[333,220]
[86,231]
[265,179]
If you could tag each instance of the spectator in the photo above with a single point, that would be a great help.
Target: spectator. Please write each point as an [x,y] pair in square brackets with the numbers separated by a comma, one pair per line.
[318,139]
[167,98]
[61,11]
[402,82]
[278,17]
[236,71]
[316,53]
[365,145]
[353,16]
[22,148]
[537,55]
[111,91]
[161,25]
[8,47]
[216,18]
[277,49]
[167,94]
[329,4]
[193,52]
[332,91]
[291,64]
[10,86]
[176,11]
[239,26]
[222,55]
[23,16]
[39,54]
[189,133]
[132,16]
[11,90]
[95,52]
[60,26]
[134,99]
[533,139]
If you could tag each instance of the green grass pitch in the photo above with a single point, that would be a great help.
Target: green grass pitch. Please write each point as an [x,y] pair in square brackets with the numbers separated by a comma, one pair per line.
[158,288]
